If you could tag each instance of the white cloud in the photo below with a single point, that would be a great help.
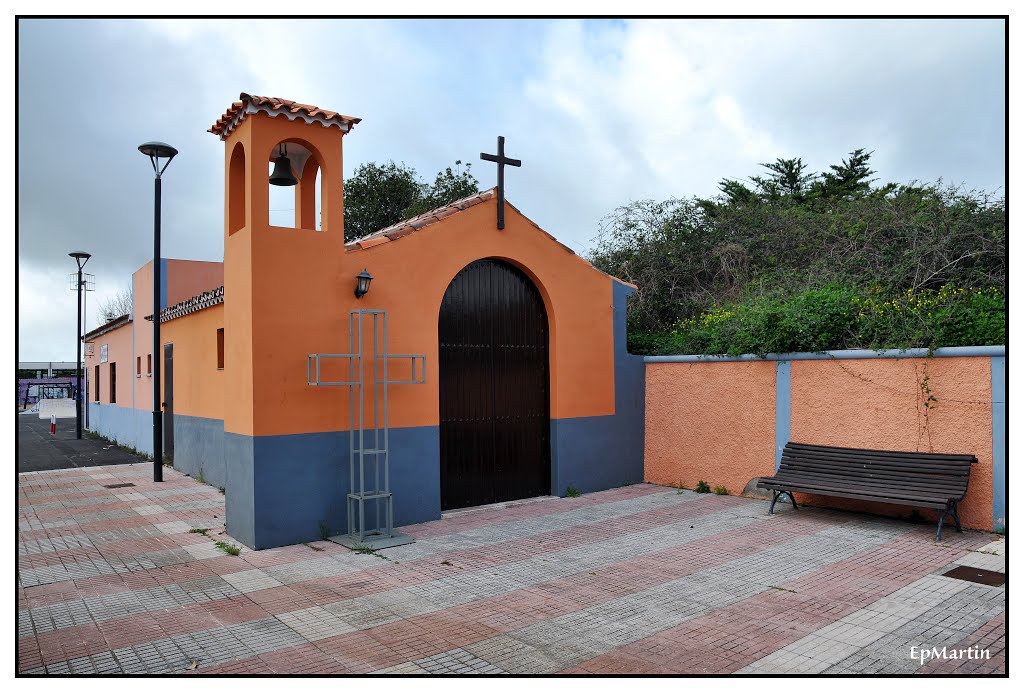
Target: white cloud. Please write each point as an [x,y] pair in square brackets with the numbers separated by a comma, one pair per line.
[600,112]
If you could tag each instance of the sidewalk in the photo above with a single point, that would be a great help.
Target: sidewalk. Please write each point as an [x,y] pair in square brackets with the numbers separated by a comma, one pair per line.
[640,579]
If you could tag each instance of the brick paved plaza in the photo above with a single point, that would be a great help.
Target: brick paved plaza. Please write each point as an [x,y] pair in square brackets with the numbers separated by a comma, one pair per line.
[640,579]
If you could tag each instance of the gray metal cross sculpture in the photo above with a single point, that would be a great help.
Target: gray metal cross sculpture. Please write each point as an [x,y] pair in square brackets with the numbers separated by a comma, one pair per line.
[501,160]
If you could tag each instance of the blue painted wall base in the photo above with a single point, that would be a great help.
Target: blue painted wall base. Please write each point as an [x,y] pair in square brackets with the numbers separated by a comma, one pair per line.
[595,453]
[125,426]
[288,489]
[292,488]
[199,448]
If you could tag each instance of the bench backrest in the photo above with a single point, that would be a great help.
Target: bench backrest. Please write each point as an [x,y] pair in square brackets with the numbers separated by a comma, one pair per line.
[938,473]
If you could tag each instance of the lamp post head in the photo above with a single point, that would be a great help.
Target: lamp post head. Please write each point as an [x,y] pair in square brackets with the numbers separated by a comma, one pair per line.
[363,280]
[156,151]
[81,257]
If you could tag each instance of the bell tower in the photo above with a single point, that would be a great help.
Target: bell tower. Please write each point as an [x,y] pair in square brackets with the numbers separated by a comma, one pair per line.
[283,288]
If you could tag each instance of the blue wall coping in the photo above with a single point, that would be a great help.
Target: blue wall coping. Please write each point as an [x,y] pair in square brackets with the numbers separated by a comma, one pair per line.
[949,352]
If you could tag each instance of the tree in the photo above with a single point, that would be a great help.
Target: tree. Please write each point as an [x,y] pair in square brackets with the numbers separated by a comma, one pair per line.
[117,305]
[448,187]
[376,196]
[849,179]
[786,178]
[380,195]
[785,232]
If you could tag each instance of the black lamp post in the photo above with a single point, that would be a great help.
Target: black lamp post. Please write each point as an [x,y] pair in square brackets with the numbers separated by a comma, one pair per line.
[157,151]
[81,257]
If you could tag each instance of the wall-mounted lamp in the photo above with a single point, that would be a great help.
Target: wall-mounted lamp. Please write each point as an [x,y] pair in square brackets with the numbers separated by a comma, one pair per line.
[363,280]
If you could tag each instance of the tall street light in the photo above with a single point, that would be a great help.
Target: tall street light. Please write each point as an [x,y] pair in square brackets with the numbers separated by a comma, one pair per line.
[81,257]
[157,151]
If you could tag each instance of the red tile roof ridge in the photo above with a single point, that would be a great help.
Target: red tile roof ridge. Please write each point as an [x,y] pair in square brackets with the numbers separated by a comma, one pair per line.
[273,106]
[200,301]
[420,221]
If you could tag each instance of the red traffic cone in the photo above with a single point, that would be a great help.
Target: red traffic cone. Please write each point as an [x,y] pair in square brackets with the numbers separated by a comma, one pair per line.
[53,424]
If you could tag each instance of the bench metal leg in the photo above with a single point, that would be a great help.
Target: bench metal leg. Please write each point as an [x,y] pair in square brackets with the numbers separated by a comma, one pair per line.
[954,512]
[778,494]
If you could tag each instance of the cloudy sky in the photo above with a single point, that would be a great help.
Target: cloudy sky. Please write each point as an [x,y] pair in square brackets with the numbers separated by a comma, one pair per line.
[600,112]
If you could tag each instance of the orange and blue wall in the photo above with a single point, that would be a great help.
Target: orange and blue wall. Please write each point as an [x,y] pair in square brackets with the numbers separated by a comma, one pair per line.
[289,474]
[288,293]
[725,420]
[129,419]
[290,470]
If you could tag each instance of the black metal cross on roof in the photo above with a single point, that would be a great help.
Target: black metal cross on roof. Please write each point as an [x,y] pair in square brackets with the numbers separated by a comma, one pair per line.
[501,160]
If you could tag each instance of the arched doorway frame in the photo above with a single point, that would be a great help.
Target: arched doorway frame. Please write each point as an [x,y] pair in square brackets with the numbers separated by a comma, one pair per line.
[519,442]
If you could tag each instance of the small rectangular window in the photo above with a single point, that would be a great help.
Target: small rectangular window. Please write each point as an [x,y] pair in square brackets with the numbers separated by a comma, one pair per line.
[97,381]
[138,366]
[220,348]
[113,383]
[149,364]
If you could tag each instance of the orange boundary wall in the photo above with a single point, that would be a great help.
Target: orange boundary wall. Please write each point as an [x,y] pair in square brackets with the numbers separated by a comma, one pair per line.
[184,279]
[881,404]
[709,421]
[717,420]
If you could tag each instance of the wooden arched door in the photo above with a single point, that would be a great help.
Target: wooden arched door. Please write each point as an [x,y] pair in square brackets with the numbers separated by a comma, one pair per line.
[493,360]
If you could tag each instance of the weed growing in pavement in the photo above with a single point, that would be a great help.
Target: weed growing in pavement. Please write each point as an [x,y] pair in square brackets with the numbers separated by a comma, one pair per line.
[572,492]
[229,549]
[702,487]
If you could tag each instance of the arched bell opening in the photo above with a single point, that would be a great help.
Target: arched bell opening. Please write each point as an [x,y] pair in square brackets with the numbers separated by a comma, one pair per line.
[294,179]
[237,202]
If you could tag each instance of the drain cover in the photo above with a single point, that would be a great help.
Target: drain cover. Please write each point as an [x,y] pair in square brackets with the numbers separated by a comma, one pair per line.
[117,485]
[979,575]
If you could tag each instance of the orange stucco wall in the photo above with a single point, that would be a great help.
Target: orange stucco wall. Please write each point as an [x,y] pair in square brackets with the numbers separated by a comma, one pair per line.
[879,403]
[716,421]
[142,298]
[410,278]
[709,421]
[198,383]
[119,351]
[187,278]
[135,339]
[288,293]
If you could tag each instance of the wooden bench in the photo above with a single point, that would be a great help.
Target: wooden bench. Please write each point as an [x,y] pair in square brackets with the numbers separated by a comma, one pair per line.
[922,479]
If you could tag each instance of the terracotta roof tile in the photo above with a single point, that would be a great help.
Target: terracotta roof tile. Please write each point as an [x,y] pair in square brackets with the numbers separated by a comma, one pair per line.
[191,305]
[107,327]
[417,223]
[370,242]
[274,106]
[400,233]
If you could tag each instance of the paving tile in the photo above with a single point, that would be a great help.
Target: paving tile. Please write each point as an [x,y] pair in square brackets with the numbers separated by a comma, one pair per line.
[639,580]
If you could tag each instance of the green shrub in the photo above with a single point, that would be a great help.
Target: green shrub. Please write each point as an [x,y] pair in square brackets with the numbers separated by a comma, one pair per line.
[837,316]
[702,487]
[721,491]
[572,492]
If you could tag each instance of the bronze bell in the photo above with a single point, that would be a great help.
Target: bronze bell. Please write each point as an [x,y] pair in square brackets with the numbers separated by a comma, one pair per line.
[282,174]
